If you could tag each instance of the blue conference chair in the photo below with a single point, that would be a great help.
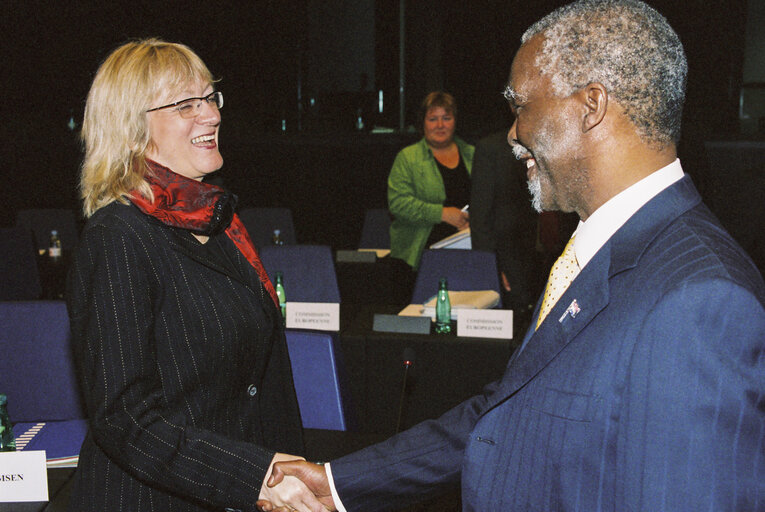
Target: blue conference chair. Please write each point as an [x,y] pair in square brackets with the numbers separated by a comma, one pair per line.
[317,367]
[309,272]
[19,275]
[320,380]
[261,223]
[465,270]
[375,232]
[37,373]
[37,368]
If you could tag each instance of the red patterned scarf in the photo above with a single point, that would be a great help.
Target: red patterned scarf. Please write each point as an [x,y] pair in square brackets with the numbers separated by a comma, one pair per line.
[201,208]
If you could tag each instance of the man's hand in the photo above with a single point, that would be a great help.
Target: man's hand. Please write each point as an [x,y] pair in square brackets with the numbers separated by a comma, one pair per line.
[291,493]
[313,476]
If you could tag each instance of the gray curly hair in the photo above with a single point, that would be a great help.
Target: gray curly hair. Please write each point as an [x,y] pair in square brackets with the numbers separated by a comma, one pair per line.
[629,48]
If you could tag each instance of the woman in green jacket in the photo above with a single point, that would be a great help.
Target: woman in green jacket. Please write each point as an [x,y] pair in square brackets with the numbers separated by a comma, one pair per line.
[429,184]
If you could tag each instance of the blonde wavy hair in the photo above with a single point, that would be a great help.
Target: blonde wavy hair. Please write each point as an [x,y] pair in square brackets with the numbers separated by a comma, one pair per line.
[115,131]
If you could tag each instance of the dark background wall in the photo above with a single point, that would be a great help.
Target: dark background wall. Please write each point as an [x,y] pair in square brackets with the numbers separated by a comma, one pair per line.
[338,53]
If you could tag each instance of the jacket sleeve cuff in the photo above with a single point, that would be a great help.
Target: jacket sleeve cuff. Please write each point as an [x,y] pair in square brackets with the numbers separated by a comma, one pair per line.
[335,496]
[433,213]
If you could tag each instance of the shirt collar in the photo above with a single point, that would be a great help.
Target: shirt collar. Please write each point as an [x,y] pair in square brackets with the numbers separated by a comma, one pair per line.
[593,233]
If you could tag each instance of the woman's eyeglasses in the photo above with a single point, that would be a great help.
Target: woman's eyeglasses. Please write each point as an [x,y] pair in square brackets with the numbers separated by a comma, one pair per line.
[191,107]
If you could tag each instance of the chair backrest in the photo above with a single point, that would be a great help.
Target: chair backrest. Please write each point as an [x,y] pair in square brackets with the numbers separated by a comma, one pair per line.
[465,270]
[309,271]
[320,380]
[43,220]
[375,232]
[261,223]
[37,368]
[19,274]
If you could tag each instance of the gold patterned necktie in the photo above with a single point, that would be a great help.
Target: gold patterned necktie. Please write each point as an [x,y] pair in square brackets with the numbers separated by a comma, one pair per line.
[562,273]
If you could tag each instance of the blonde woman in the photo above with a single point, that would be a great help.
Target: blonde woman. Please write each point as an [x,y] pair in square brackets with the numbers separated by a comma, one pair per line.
[182,357]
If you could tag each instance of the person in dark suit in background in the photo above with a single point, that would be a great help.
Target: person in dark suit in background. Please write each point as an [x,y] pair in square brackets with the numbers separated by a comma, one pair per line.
[641,383]
[176,332]
[502,219]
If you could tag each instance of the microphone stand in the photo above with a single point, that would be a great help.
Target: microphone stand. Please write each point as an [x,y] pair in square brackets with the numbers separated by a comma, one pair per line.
[408,362]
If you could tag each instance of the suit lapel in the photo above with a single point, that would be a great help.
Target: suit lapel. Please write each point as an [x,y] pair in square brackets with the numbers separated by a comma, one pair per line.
[590,289]
[566,319]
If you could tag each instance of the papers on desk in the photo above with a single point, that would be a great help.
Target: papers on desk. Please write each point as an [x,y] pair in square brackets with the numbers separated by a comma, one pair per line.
[381,253]
[61,440]
[411,310]
[473,314]
[480,299]
[459,240]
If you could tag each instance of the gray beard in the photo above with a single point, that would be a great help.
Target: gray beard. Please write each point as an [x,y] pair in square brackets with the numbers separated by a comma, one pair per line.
[535,188]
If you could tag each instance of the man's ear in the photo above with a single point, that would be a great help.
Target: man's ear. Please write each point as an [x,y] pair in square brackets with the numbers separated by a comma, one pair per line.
[595,98]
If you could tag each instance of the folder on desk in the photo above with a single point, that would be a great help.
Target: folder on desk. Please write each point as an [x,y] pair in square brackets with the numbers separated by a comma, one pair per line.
[61,440]
[459,240]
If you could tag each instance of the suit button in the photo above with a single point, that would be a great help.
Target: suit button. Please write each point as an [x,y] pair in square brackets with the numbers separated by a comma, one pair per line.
[252,390]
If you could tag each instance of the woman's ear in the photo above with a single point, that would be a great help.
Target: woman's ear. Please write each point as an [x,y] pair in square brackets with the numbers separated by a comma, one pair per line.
[595,98]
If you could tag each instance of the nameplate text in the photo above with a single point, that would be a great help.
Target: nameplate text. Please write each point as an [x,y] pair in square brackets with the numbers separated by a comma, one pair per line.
[485,323]
[318,316]
[23,476]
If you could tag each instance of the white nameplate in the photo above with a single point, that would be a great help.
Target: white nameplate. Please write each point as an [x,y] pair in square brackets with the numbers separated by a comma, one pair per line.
[485,323]
[23,476]
[320,316]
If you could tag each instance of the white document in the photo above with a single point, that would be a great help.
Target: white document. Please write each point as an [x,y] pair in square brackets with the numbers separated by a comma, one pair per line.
[319,316]
[23,477]
[485,323]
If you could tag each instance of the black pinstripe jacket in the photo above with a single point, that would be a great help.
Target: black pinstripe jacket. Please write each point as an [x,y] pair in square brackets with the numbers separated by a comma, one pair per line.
[184,368]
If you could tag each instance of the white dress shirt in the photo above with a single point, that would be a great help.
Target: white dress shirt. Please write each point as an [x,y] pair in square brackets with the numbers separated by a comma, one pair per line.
[593,233]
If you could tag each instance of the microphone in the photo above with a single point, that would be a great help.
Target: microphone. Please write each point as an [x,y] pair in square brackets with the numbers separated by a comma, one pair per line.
[408,358]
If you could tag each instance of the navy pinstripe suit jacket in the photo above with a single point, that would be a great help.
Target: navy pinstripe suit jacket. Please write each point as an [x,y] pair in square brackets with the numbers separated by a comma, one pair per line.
[184,368]
[650,398]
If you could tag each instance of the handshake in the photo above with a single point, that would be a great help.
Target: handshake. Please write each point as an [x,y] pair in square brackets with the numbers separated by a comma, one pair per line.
[293,484]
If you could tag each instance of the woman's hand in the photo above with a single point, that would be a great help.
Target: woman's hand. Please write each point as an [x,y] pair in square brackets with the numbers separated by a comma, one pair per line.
[455,217]
[290,494]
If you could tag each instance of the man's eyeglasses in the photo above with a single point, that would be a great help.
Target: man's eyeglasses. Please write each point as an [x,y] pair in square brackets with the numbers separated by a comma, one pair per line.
[191,107]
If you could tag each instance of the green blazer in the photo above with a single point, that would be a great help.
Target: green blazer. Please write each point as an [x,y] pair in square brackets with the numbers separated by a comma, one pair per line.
[416,196]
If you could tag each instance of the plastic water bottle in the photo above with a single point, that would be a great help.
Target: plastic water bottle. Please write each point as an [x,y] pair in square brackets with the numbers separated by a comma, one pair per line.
[277,237]
[280,294]
[443,309]
[54,247]
[7,441]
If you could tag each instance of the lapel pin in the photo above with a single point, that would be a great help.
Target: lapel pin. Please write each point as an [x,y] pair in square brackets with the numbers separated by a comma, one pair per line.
[573,310]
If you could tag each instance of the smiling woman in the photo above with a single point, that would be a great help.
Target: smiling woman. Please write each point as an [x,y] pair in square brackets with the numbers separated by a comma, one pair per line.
[184,134]
[429,183]
[182,356]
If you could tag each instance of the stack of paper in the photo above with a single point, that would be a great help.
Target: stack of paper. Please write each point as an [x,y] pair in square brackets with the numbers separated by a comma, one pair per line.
[459,240]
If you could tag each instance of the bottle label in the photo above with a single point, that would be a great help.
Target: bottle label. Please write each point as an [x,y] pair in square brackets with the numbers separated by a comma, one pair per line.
[54,252]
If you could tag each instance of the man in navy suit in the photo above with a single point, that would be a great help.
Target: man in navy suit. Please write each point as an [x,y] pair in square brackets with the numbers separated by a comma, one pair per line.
[643,388]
